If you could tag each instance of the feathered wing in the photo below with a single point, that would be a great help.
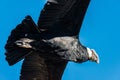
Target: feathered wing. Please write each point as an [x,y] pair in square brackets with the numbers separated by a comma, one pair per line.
[36,67]
[63,17]
[13,52]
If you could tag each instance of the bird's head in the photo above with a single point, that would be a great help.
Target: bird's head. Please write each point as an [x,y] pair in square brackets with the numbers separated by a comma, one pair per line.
[93,56]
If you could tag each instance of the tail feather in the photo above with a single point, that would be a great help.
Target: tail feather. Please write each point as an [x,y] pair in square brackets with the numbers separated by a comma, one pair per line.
[16,55]
[13,52]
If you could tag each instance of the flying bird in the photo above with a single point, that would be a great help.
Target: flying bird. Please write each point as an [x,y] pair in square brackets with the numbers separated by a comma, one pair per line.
[48,46]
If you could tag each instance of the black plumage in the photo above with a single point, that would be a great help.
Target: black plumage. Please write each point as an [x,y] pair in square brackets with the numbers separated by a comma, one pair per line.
[54,40]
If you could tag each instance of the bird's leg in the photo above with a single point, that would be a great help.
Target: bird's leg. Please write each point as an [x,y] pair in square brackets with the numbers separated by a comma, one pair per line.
[24,42]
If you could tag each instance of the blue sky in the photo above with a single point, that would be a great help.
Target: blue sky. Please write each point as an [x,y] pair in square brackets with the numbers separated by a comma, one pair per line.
[100,30]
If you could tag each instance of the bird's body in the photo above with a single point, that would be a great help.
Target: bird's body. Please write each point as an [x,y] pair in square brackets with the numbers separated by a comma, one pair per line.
[47,47]
[69,48]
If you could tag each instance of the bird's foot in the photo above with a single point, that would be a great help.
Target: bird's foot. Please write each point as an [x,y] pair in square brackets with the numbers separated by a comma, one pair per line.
[24,43]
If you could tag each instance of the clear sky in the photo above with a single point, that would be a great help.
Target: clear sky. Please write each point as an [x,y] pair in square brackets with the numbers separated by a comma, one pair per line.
[100,30]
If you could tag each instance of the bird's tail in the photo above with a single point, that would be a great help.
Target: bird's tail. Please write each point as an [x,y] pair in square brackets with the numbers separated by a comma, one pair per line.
[13,52]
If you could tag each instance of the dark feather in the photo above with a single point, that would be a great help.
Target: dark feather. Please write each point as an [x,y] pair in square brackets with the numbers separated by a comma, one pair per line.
[36,67]
[13,52]
[63,18]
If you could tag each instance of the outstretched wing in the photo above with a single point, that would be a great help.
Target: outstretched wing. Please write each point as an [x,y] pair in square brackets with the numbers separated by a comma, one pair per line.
[36,67]
[63,17]
[13,52]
